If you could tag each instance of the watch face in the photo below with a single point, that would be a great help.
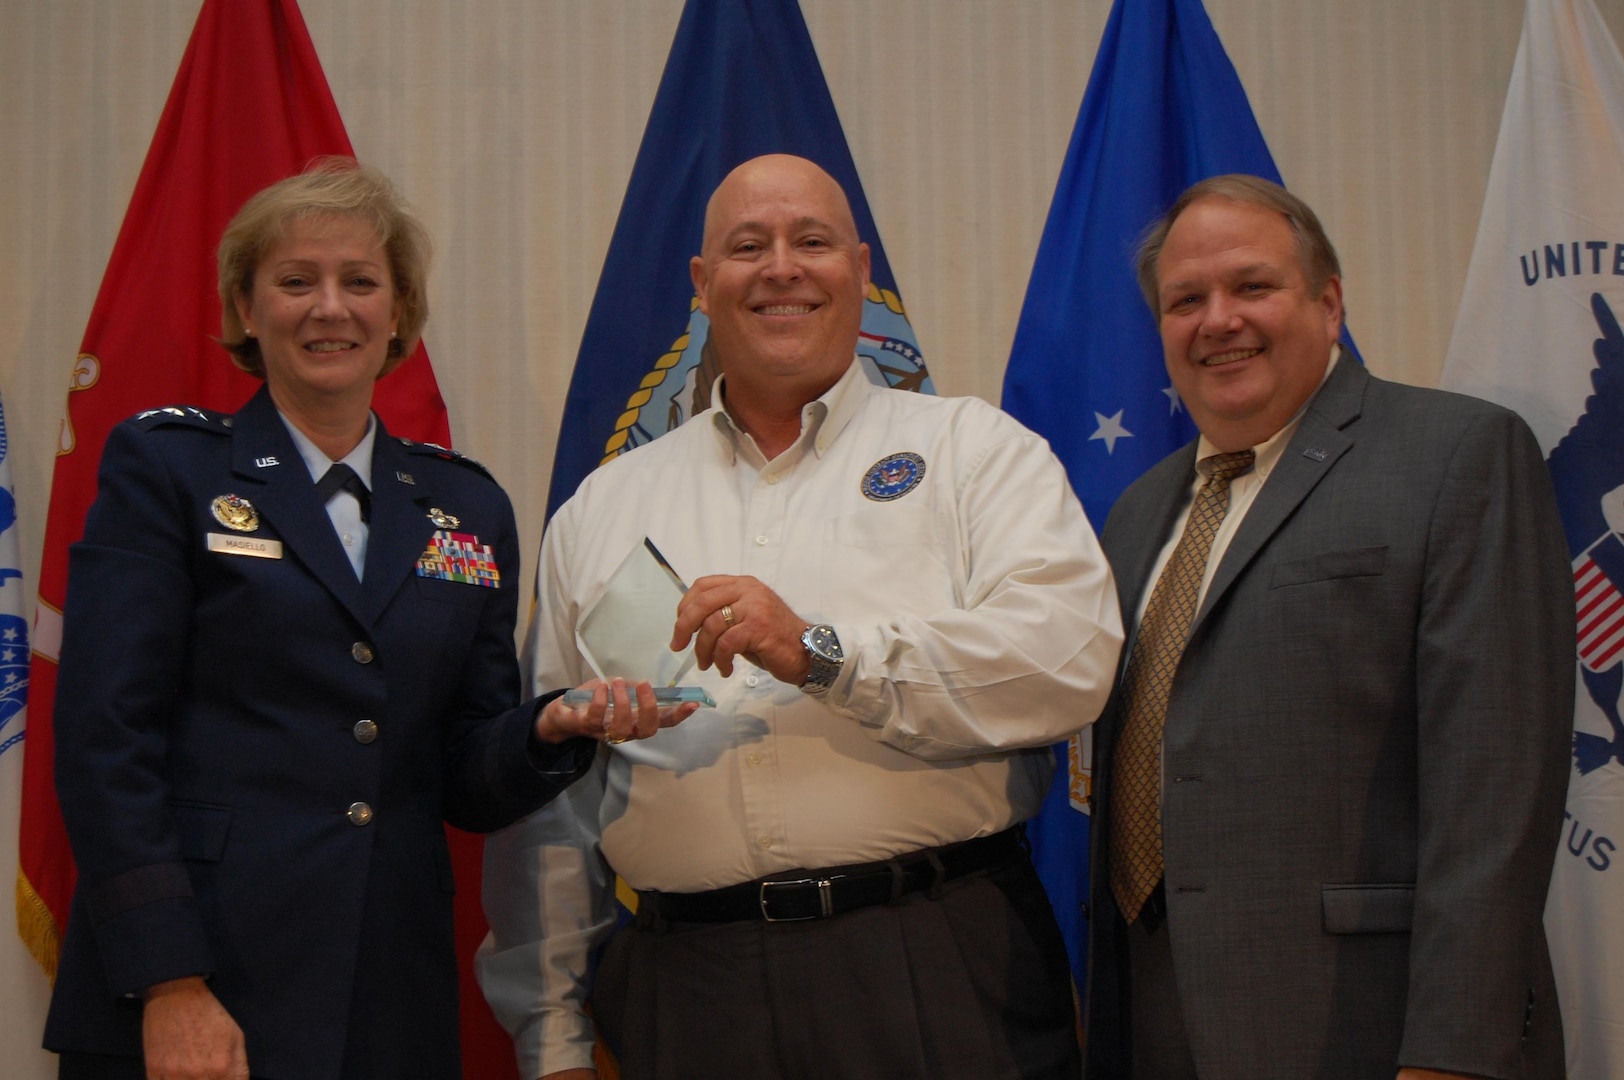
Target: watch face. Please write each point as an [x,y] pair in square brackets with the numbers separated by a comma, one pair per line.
[823,641]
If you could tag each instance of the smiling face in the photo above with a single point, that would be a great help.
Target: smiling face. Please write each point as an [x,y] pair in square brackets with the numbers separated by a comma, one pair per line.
[781,278]
[1245,338]
[323,308]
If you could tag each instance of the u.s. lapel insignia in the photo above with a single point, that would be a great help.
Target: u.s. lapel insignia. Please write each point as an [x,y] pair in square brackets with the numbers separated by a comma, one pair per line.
[893,476]
[235,512]
[405,478]
[443,520]
[455,556]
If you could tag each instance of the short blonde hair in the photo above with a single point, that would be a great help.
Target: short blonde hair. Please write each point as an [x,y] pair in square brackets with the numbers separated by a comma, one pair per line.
[329,185]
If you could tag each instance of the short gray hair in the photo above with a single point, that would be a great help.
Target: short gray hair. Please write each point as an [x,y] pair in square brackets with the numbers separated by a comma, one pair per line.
[1314,250]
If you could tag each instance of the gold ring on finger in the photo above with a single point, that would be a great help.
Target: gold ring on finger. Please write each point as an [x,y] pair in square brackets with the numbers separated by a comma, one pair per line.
[727,614]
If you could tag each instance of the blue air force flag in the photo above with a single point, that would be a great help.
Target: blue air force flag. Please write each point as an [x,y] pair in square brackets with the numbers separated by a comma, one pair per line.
[742,80]
[1538,330]
[24,991]
[1164,108]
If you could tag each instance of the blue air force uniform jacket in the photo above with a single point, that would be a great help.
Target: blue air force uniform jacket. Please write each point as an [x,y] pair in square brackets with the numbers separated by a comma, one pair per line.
[256,749]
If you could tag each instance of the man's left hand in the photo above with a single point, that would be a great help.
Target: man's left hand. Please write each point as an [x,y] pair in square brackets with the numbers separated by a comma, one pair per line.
[727,616]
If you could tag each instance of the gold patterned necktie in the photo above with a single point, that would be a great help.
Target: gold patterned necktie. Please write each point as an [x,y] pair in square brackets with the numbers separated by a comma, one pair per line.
[1136,771]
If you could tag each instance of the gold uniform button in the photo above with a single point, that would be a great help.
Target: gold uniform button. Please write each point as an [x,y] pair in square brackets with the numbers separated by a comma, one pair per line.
[365,731]
[360,813]
[362,652]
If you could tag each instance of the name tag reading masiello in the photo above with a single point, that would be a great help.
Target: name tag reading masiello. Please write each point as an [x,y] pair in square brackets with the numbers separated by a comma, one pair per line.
[227,544]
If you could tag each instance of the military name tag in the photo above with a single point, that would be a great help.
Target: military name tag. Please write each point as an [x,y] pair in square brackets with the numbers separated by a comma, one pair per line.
[254,546]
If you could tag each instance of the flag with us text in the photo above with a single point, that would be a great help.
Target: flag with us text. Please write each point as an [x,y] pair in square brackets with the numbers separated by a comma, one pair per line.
[1163,109]
[743,79]
[1539,330]
[24,990]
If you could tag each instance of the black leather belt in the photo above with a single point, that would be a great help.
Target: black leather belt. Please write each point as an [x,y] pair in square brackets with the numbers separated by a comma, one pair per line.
[822,894]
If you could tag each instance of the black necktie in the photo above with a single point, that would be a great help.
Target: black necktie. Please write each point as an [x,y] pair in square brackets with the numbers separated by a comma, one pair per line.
[342,478]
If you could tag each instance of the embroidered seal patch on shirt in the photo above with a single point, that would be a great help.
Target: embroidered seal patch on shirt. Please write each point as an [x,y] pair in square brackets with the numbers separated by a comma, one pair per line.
[455,556]
[893,476]
[235,512]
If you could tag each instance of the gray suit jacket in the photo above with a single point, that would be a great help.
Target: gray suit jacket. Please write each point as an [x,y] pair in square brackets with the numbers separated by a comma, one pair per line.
[1365,752]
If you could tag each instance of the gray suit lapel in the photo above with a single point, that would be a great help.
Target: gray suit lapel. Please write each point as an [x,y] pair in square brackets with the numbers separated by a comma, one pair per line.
[1310,455]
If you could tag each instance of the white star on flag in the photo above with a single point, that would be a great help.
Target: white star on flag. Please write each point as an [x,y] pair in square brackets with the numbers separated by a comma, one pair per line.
[1173,402]
[1110,430]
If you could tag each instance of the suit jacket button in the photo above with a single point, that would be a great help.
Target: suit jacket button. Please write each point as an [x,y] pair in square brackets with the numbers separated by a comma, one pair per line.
[359,813]
[362,652]
[365,731]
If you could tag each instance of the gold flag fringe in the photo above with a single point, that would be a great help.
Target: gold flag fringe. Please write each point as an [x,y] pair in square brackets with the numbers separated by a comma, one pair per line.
[36,927]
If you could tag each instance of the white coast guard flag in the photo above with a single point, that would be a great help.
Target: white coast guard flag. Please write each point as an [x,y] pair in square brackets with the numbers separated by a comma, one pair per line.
[1538,330]
[24,991]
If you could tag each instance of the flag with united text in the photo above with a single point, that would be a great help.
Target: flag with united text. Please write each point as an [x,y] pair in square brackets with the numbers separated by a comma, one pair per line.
[1539,330]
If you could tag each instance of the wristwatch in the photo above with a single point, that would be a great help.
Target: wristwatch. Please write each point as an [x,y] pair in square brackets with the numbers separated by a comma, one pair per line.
[823,649]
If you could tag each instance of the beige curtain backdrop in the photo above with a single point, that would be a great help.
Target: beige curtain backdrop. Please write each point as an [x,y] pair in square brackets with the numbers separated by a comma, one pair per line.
[513,124]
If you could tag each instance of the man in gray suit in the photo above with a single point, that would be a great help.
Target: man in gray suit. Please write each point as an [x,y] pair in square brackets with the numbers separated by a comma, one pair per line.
[1331,779]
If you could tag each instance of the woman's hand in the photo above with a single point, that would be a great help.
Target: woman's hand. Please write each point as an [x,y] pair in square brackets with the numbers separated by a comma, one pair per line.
[186,1034]
[615,715]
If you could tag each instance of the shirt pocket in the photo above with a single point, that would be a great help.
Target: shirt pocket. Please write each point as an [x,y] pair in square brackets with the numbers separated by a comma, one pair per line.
[1329,565]
[885,560]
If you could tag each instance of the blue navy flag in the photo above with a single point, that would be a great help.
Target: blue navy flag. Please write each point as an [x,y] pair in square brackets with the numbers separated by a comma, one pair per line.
[1164,109]
[742,80]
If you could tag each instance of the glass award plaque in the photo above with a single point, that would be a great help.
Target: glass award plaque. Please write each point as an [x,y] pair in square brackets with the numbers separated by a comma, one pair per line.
[626,631]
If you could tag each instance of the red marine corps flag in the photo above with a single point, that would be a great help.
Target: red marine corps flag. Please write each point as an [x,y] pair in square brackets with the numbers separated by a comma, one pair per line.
[249,106]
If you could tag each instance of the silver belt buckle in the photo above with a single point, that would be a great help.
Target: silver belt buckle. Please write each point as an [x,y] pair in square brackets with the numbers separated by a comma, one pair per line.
[826,903]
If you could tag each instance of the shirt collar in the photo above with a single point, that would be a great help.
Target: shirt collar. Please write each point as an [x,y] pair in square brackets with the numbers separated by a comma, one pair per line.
[822,419]
[359,459]
[1269,450]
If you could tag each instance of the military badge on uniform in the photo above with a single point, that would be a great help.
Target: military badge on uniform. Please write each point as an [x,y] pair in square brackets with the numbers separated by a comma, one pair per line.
[235,512]
[443,520]
[893,476]
[454,556]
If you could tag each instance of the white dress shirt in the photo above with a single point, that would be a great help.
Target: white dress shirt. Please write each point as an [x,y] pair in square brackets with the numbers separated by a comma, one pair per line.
[979,623]
[1243,491]
[343,509]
